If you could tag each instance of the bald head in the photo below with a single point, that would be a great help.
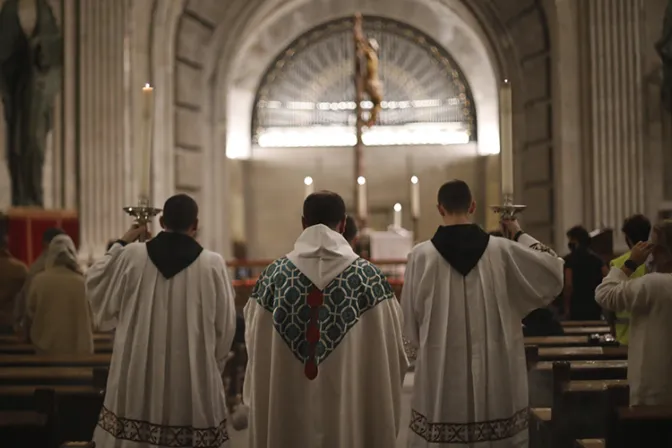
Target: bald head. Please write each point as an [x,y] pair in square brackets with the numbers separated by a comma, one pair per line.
[324,207]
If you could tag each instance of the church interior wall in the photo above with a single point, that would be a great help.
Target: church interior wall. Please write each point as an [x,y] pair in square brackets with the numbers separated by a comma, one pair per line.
[196,51]
[275,188]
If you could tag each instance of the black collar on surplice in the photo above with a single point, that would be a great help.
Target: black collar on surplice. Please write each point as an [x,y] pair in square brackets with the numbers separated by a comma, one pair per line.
[462,245]
[172,252]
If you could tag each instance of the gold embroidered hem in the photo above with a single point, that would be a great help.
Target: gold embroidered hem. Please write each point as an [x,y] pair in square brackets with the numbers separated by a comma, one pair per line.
[487,431]
[162,435]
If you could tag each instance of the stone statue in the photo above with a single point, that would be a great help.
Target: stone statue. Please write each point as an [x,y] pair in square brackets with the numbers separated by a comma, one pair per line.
[664,47]
[31,58]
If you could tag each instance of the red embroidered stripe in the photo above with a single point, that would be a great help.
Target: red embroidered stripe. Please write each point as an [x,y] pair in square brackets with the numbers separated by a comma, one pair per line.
[315,300]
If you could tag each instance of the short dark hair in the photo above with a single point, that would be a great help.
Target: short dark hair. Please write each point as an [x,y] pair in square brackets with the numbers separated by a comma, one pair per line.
[637,228]
[350,229]
[323,207]
[455,196]
[180,212]
[580,234]
[51,233]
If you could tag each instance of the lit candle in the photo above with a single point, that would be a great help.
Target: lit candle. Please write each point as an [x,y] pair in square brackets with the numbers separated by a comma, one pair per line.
[506,137]
[397,216]
[361,197]
[310,187]
[145,152]
[415,197]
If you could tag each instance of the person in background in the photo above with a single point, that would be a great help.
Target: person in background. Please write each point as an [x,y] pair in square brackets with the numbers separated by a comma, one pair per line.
[57,304]
[21,321]
[13,274]
[649,302]
[351,231]
[636,229]
[542,321]
[584,270]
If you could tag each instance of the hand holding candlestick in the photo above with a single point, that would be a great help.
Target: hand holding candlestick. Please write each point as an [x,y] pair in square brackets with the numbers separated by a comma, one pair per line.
[143,214]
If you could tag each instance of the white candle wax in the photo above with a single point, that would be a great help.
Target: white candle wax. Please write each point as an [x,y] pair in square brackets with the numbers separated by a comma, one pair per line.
[397,216]
[361,198]
[415,197]
[506,137]
[146,150]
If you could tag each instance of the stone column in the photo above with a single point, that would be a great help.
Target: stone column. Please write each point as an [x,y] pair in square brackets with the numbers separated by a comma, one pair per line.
[102,102]
[613,111]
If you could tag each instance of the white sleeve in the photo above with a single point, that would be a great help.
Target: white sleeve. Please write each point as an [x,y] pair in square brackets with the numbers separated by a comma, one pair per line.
[619,293]
[105,284]
[411,318]
[534,275]
[225,319]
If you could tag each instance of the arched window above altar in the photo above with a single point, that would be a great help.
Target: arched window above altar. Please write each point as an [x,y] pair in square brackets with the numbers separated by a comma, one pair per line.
[307,96]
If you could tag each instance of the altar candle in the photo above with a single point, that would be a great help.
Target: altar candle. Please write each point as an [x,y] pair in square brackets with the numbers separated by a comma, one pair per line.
[506,137]
[415,197]
[397,216]
[310,186]
[146,150]
[361,197]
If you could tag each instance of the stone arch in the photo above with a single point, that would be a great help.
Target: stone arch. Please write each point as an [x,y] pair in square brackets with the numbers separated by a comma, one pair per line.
[309,84]
[511,35]
[453,29]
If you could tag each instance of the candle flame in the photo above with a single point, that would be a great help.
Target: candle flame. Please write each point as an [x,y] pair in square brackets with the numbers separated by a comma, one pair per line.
[506,81]
[414,179]
[361,180]
[147,86]
[397,207]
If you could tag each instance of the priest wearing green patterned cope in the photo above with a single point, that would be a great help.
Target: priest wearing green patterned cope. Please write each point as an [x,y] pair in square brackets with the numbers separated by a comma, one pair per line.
[323,332]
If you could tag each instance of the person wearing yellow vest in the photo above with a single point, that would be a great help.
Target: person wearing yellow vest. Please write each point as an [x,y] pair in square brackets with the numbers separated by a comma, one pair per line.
[636,228]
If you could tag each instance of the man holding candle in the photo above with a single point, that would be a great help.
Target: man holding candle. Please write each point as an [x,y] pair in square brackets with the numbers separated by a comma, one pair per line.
[172,305]
[323,332]
[465,294]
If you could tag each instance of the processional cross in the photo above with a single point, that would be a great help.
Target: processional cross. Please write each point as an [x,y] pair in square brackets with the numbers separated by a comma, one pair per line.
[366,81]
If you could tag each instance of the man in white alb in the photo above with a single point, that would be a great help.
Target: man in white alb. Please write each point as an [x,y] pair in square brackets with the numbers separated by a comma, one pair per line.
[172,305]
[465,294]
[323,332]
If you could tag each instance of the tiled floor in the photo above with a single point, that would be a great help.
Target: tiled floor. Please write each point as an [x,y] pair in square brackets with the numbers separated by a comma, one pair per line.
[239,438]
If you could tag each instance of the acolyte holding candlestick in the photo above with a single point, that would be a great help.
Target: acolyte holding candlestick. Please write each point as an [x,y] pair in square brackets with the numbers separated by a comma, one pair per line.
[144,213]
[508,209]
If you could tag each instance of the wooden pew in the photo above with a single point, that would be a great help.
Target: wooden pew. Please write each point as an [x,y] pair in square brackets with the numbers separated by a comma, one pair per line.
[583,323]
[633,426]
[46,375]
[97,360]
[587,330]
[543,377]
[558,341]
[15,339]
[23,428]
[536,354]
[22,348]
[578,411]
